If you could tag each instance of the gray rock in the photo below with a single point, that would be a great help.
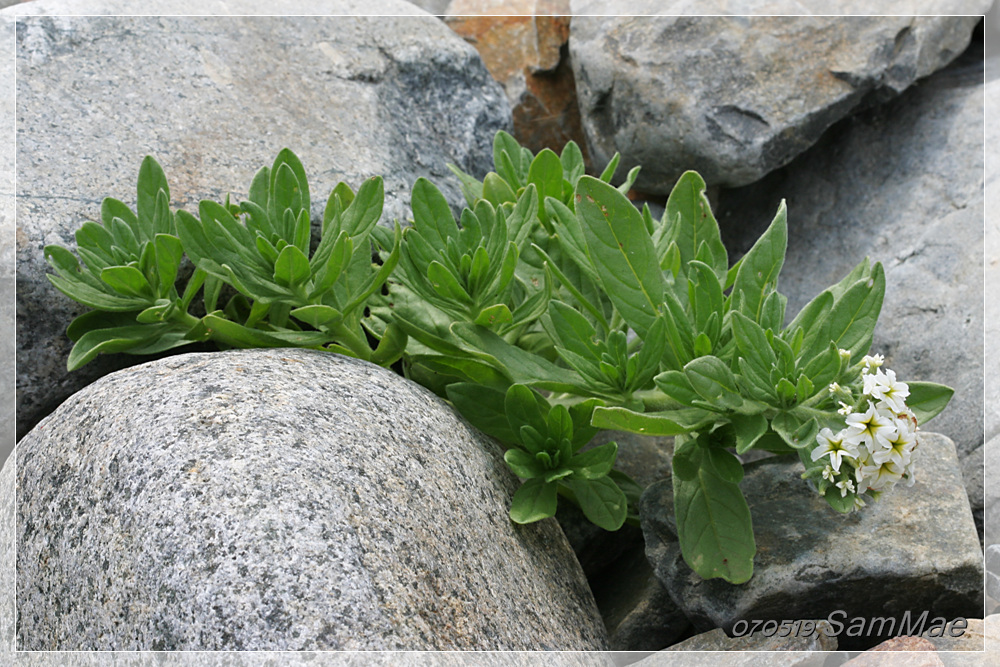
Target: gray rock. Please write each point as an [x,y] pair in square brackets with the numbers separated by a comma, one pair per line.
[901,184]
[283,500]
[737,97]
[992,492]
[992,255]
[914,549]
[777,7]
[816,636]
[7,371]
[7,556]
[213,100]
[637,610]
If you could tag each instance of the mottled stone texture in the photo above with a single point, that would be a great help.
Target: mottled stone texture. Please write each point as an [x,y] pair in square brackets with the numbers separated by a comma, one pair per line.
[903,185]
[736,97]
[214,100]
[285,500]
[523,44]
[915,549]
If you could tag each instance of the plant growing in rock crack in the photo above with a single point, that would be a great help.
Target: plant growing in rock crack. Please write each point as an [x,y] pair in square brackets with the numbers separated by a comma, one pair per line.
[551,308]
[285,296]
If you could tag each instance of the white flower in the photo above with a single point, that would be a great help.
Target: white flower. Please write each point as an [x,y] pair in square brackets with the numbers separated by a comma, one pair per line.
[845,409]
[883,476]
[828,473]
[886,389]
[872,428]
[846,486]
[844,354]
[900,446]
[834,388]
[858,503]
[834,445]
[871,363]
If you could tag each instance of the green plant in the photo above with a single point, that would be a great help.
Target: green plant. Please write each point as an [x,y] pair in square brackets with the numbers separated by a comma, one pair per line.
[260,249]
[550,309]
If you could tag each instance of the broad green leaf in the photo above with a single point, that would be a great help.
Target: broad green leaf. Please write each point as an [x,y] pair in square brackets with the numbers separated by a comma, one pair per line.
[494,316]
[524,464]
[601,501]
[752,344]
[391,346]
[812,317]
[610,168]
[240,336]
[169,253]
[107,341]
[431,214]
[749,429]
[525,407]
[472,189]
[111,209]
[288,187]
[504,143]
[318,316]
[534,501]
[759,268]
[927,399]
[546,173]
[129,281]
[621,251]
[572,162]
[365,209]
[496,191]
[688,206]
[594,463]
[151,181]
[291,268]
[714,526]
[712,379]
[724,464]
[851,322]
[670,422]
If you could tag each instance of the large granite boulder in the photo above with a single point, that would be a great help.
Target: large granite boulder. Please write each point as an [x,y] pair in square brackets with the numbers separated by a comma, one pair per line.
[901,184]
[914,549]
[286,500]
[737,97]
[214,100]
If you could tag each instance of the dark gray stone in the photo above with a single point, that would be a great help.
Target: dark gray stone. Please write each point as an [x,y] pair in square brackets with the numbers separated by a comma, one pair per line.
[820,639]
[737,97]
[280,500]
[213,100]
[914,549]
[637,610]
[901,184]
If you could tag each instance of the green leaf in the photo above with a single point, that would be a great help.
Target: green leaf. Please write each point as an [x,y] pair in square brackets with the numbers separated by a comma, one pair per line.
[927,399]
[129,281]
[601,501]
[752,343]
[391,346]
[317,316]
[291,268]
[689,206]
[496,191]
[288,187]
[759,269]
[621,251]
[669,422]
[812,317]
[852,321]
[725,465]
[240,336]
[107,341]
[594,463]
[151,181]
[472,189]
[749,429]
[534,501]
[169,253]
[432,216]
[546,173]
[714,525]
[610,168]
[494,316]
[525,407]
[524,464]
[712,379]
[365,209]
[572,162]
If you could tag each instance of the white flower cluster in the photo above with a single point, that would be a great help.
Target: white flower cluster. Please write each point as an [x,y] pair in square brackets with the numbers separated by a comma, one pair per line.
[874,450]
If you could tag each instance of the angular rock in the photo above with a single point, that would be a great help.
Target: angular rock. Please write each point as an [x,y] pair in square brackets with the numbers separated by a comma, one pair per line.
[7,273]
[737,97]
[992,94]
[919,653]
[286,500]
[914,549]
[971,639]
[7,556]
[901,184]
[715,649]
[522,44]
[357,96]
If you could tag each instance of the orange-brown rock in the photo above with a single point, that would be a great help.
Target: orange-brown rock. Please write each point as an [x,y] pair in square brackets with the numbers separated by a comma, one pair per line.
[918,652]
[523,45]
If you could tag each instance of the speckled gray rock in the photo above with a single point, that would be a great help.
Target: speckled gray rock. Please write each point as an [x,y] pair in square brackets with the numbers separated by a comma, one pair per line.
[7,555]
[736,97]
[902,184]
[817,636]
[914,549]
[288,500]
[214,100]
